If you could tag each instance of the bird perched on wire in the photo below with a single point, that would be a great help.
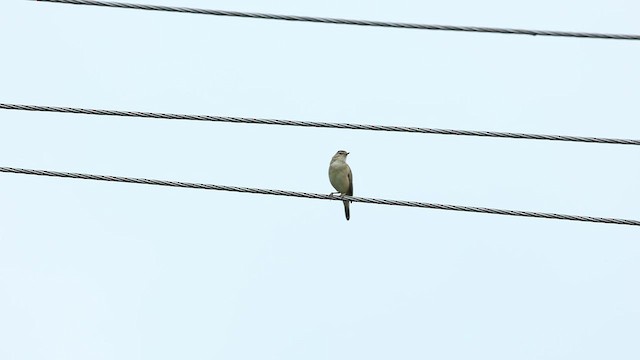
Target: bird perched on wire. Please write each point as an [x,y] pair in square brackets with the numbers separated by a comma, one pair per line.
[341,178]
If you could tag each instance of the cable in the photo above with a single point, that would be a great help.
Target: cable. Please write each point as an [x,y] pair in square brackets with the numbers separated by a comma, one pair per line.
[320,196]
[347,21]
[245,120]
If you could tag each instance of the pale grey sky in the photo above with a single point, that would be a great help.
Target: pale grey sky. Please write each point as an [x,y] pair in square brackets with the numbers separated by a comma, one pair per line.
[120,271]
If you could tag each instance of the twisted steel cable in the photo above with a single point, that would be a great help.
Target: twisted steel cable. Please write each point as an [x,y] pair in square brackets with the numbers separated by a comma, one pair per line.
[320,196]
[233,119]
[348,21]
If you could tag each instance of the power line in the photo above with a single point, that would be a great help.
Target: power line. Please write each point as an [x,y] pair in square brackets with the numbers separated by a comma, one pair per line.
[348,21]
[245,120]
[320,196]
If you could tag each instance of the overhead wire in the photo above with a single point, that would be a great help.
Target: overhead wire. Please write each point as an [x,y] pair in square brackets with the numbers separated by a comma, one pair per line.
[325,20]
[321,196]
[330,125]
[247,120]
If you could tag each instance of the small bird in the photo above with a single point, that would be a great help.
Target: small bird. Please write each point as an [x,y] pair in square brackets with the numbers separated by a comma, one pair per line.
[341,178]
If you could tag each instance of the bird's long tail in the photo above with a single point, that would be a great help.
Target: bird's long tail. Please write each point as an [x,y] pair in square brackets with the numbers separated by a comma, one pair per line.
[346,209]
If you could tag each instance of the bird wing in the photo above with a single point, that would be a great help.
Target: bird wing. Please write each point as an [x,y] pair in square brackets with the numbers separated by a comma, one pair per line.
[350,177]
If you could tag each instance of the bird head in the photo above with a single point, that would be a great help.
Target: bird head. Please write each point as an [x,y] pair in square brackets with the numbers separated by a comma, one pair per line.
[341,154]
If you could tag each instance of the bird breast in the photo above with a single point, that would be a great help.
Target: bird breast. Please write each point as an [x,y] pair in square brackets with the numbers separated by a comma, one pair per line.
[338,176]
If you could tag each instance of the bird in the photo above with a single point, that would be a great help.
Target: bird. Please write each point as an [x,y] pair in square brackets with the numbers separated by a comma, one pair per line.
[341,178]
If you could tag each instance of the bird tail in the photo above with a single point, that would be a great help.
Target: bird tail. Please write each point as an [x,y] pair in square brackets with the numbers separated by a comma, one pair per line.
[346,209]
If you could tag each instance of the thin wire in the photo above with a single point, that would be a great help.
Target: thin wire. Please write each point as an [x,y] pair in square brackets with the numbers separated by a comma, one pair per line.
[348,21]
[320,196]
[244,120]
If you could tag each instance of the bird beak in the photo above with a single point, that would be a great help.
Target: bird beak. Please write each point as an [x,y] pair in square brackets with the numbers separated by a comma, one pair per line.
[348,153]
